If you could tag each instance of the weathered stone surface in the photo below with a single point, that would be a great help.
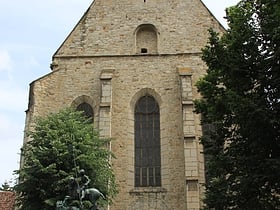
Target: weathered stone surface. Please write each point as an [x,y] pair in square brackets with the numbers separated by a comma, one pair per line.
[106,62]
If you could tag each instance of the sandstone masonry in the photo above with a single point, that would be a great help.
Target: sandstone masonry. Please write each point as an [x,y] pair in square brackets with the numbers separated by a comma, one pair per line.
[117,53]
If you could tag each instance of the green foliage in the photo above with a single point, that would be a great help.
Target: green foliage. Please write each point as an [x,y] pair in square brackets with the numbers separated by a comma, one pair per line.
[241,102]
[6,186]
[62,143]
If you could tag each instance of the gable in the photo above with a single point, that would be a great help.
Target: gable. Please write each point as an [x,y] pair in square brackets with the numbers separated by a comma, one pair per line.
[110,27]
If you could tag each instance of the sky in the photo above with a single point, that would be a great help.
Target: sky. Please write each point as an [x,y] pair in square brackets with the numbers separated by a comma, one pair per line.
[31,32]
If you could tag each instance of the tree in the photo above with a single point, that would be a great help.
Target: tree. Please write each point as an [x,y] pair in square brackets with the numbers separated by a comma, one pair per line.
[241,105]
[6,186]
[61,144]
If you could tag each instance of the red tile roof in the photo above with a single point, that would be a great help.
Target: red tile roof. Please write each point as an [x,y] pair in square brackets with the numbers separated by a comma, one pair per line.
[7,200]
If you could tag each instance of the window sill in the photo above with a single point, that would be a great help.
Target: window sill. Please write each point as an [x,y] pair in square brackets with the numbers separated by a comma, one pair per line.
[138,190]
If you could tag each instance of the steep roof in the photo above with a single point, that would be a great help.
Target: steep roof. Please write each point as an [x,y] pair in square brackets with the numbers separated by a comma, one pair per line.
[7,200]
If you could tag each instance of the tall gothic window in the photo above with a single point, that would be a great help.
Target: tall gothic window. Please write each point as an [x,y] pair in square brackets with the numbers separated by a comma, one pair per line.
[147,143]
[87,110]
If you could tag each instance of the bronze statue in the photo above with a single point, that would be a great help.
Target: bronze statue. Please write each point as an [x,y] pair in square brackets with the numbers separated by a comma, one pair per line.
[84,180]
[78,190]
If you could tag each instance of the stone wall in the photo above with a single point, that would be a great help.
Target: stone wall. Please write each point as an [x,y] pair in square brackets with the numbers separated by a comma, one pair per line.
[100,63]
[109,28]
[114,85]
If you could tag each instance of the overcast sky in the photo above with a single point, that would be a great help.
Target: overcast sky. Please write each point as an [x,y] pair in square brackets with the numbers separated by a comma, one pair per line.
[31,32]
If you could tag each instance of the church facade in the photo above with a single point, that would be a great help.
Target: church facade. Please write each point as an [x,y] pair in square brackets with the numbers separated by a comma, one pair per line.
[133,65]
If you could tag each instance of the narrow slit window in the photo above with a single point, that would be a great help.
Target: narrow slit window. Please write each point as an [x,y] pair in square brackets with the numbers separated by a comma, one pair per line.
[144,50]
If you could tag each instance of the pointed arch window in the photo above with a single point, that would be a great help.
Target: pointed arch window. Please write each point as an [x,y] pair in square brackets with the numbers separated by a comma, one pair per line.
[147,143]
[87,110]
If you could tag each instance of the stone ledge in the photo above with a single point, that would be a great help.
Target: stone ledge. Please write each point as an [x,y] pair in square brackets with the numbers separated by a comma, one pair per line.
[139,190]
[107,74]
[187,102]
[192,178]
[129,55]
[185,71]
[105,105]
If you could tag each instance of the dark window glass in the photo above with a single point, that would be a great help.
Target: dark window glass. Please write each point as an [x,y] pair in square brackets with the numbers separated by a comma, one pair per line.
[87,110]
[147,143]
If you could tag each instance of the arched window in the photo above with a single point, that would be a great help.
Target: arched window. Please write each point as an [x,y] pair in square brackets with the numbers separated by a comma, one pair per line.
[146,39]
[87,110]
[147,143]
